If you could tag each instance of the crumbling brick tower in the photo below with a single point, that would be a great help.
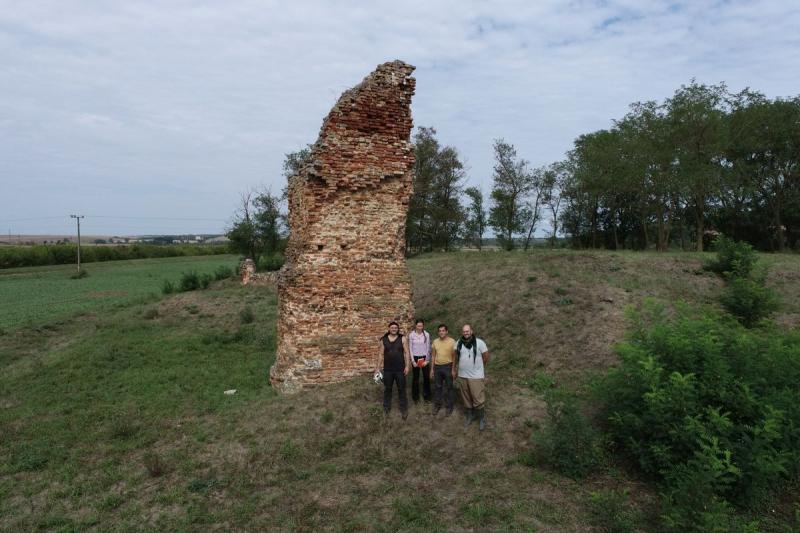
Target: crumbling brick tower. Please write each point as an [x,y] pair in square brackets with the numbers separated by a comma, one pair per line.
[345,275]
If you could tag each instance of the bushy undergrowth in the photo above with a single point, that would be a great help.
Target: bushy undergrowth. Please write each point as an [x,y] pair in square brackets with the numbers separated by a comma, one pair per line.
[64,254]
[733,258]
[749,300]
[709,409]
[568,442]
[270,262]
[611,511]
[746,295]
[192,281]
[80,274]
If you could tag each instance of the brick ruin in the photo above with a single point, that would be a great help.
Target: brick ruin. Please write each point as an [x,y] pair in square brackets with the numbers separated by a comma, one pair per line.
[249,276]
[345,275]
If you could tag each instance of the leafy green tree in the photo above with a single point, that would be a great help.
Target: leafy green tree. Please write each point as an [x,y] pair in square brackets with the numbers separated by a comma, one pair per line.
[512,181]
[554,181]
[435,214]
[697,118]
[475,224]
[260,225]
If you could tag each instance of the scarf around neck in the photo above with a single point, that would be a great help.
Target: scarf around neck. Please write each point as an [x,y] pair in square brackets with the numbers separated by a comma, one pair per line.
[471,344]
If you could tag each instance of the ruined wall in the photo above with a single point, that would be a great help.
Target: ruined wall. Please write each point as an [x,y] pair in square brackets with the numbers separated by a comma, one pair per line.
[345,275]
[249,276]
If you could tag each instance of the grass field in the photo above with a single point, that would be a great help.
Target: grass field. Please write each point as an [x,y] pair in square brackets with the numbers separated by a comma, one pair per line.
[38,295]
[117,420]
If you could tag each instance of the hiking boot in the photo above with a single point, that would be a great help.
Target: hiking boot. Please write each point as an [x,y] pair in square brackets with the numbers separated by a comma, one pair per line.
[436,409]
[405,415]
[449,411]
[469,418]
[386,411]
[482,425]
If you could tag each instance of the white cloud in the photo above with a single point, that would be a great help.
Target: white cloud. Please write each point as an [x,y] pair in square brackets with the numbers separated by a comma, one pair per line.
[173,108]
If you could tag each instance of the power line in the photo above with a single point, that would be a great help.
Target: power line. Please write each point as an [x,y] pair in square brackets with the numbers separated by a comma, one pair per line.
[28,219]
[3,221]
[160,218]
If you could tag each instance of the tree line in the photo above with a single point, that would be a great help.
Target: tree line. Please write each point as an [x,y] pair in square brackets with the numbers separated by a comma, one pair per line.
[676,173]
[670,174]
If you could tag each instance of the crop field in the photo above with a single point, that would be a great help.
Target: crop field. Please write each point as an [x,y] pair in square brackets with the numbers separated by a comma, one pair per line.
[118,419]
[38,295]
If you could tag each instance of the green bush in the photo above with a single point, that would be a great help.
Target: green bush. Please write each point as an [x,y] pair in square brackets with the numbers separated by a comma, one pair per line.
[708,408]
[568,442]
[168,287]
[611,511]
[205,280]
[223,272]
[80,274]
[733,258]
[62,254]
[246,315]
[749,300]
[270,262]
[190,281]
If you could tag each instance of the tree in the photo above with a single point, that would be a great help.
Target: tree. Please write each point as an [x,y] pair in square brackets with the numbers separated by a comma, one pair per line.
[475,224]
[535,202]
[697,121]
[260,225]
[242,233]
[268,221]
[435,213]
[554,180]
[511,183]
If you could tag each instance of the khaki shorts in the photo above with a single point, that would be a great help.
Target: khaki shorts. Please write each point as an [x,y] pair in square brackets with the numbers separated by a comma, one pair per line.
[473,392]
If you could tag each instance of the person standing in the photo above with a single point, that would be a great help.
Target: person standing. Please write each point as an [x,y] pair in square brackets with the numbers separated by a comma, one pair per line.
[393,358]
[442,369]
[472,354]
[419,343]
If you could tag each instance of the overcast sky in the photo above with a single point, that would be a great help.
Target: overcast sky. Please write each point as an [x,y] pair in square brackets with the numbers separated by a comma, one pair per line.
[140,113]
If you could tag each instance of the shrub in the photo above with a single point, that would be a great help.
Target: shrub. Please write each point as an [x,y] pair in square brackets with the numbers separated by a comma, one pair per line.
[246,315]
[568,442]
[190,281]
[270,262]
[80,274]
[749,300]
[708,408]
[733,258]
[611,511]
[62,254]
[205,280]
[223,272]
[168,287]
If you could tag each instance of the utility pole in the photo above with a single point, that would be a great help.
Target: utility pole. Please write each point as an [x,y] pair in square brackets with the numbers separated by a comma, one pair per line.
[78,218]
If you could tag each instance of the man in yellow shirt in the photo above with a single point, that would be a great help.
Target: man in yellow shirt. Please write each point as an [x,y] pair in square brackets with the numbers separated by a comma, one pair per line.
[443,370]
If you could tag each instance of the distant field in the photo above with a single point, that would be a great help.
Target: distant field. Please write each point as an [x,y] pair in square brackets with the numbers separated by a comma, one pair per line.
[37,295]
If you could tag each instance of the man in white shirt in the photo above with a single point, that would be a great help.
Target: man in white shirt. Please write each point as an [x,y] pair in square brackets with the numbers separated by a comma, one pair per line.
[471,356]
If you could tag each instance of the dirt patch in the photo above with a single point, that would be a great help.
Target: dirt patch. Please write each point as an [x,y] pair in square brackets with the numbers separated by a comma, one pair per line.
[106,294]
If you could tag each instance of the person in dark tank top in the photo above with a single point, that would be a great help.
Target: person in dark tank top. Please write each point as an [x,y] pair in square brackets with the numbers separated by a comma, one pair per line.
[394,361]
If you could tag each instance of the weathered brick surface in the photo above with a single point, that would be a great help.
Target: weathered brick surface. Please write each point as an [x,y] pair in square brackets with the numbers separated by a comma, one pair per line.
[249,276]
[345,275]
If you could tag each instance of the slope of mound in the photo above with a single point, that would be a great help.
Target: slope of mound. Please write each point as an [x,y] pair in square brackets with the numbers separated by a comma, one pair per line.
[120,421]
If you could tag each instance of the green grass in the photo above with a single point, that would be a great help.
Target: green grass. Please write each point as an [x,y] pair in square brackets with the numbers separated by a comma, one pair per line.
[117,419]
[38,295]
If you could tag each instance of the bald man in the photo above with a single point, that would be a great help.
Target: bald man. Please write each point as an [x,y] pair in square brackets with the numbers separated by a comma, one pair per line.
[471,356]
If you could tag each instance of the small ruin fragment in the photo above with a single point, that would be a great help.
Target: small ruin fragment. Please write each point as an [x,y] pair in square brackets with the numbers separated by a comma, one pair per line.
[345,275]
